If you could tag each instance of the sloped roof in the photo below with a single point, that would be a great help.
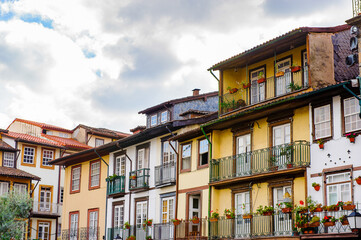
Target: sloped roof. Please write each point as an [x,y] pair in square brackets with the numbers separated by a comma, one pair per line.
[31,139]
[67,142]
[6,147]
[104,132]
[194,111]
[13,172]
[42,125]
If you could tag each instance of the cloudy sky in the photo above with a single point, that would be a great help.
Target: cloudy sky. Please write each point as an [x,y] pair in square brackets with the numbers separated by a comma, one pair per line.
[98,63]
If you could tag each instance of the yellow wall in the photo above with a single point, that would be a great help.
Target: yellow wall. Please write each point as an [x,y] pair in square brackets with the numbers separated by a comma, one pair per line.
[85,199]
[301,124]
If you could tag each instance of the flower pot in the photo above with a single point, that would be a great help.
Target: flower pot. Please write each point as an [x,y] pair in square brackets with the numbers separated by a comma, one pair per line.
[176,223]
[320,146]
[329,224]
[286,210]
[229,216]
[314,224]
[334,210]
[274,168]
[267,213]
[345,222]
[348,207]
[317,188]
[245,86]
[295,69]
[233,90]
[261,80]
[280,74]
[317,209]
[249,216]
[352,140]
[213,219]
[195,221]
[290,165]
[358,180]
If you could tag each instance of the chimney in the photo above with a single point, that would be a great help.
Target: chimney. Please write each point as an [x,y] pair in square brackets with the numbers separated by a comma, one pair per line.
[196,91]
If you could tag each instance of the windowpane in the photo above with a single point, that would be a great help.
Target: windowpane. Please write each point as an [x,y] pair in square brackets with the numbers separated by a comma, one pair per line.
[164,117]
[168,153]
[4,188]
[20,188]
[99,142]
[153,120]
[95,174]
[203,152]
[186,156]
[48,155]
[9,159]
[339,190]
[120,165]
[75,179]
[351,114]
[322,121]
[29,153]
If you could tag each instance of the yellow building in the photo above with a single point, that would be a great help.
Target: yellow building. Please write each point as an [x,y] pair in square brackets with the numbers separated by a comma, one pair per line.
[260,142]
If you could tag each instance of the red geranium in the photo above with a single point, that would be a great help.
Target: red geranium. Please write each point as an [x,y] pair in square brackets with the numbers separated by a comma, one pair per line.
[301,202]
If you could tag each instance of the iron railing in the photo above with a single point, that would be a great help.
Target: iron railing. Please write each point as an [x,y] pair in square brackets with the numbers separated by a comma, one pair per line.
[192,230]
[116,185]
[164,231]
[165,174]
[295,154]
[81,234]
[259,92]
[47,208]
[138,231]
[139,179]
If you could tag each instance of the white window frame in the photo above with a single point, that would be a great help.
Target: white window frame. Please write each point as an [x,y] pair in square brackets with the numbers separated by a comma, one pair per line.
[153,120]
[93,225]
[74,224]
[4,188]
[282,82]
[202,151]
[325,120]
[95,174]
[351,115]
[258,90]
[29,158]
[186,156]
[63,135]
[141,213]
[99,142]
[48,155]
[20,188]
[338,184]
[164,116]
[142,158]
[9,159]
[75,180]
[118,216]
[41,234]
[45,199]
[120,165]
[168,154]
[241,200]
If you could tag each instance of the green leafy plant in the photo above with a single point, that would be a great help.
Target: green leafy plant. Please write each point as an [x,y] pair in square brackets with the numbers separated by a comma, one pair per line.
[294,87]
[214,214]
[229,213]
[314,184]
[329,219]
[111,178]
[126,225]
[264,209]
[315,219]
[351,135]
[148,238]
[131,237]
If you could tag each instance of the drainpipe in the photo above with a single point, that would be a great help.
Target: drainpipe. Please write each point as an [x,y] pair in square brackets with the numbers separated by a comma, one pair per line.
[130,193]
[209,188]
[210,70]
[106,202]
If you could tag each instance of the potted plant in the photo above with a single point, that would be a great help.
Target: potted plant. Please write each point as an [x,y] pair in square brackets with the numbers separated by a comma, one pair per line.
[133,177]
[148,238]
[316,208]
[246,214]
[315,222]
[329,221]
[126,225]
[301,221]
[111,178]
[300,208]
[294,87]
[229,213]
[295,68]
[316,186]
[214,216]
[246,85]
[358,180]
[232,90]
[176,221]
[287,207]
[149,222]
[343,220]
[195,220]
[320,143]
[333,208]
[131,237]
[265,211]
[351,137]
[273,160]
[261,78]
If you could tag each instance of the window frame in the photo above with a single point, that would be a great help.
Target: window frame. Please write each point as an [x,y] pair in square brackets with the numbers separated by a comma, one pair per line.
[136,201]
[151,120]
[116,155]
[146,148]
[23,184]
[3,159]
[317,105]
[88,220]
[77,228]
[263,68]
[199,166]
[71,179]
[117,204]
[277,124]
[34,156]
[181,157]
[161,117]
[343,99]
[8,182]
[99,139]
[51,195]
[90,187]
[330,172]
[37,228]
[42,158]
[169,152]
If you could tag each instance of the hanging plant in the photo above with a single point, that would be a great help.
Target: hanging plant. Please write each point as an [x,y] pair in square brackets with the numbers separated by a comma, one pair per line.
[358,180]
[320,143]
[316,186]
[295,68]
[351,137]
[247,85]
[232,90]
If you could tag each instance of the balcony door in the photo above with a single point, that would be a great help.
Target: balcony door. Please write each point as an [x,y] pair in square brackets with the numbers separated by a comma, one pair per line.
[257,89]
[45,199]
[243,157]
[242,206]
[142,159]
[74,224]
[282,221]
[281,138]
[140,217]
[305,68]
[283,82]
[166,230]
[93,224]
[194,210]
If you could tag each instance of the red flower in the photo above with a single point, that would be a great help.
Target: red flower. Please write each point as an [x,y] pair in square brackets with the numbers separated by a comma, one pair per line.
[301,202]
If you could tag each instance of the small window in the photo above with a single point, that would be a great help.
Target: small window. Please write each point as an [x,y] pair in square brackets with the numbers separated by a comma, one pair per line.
[322,121]
[9,159]
[351,115]
[203,152]
[153,120]
[49,132]
[99,142]
[338,188]
[29,154]
[64,135]
[4,188]
[95,174]
[48,155]
[186,156]
[20,188]
[75,179]
[168,155]
[164,117]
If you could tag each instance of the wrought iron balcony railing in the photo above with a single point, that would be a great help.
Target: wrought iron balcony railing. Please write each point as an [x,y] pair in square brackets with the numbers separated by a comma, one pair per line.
[192,230]
[138,231]
[47,208]
[263,90]
[292,155]
[91,233]
[116,185]
[165,174]
[139,179]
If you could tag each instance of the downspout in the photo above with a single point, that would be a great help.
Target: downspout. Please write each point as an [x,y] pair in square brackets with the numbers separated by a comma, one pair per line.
[106,202]
[209,187]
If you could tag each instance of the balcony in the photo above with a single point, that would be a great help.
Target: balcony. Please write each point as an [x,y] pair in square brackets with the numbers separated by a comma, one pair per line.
[190,230]
[270,88]
[48,209]
[139,232]
[278,225]
[81,234]
[139,179]
[165,175]
[116,186]
[278,159]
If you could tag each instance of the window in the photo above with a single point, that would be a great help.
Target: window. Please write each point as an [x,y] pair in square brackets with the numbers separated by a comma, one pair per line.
[75,179]
[281,134]
[64,135]
[44,230]
[167,209]
[93,215]
[243,151]
[45,198]
[168,153]
[99,142]
[142,157]
[279,194]
[284,81]
[118,216]
[29,156]
[47,156]
[257,87]
[164,117]
[153,120]
[338,187]
[120,165]
[141,213]
[94,174]
[20,188]
[194,205]
[74,224]
[4,188]
[9,159]
[203,152]
[186,156]
[322,121]
[351,115]
[61,195]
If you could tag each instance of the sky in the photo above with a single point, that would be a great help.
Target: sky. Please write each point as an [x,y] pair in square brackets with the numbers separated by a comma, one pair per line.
[98,63]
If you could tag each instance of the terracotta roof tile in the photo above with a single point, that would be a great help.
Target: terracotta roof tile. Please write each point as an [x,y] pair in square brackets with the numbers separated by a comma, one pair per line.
[104,132]
[44,125]
[67,142]
[13,172]
[32,139]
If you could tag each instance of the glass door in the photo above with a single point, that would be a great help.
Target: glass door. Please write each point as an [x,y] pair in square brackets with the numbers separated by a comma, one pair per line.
[282,221]
[45,199]
[93,225]
[283,81]
[243,157]
[282,152]
[194,210]
[242,207]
